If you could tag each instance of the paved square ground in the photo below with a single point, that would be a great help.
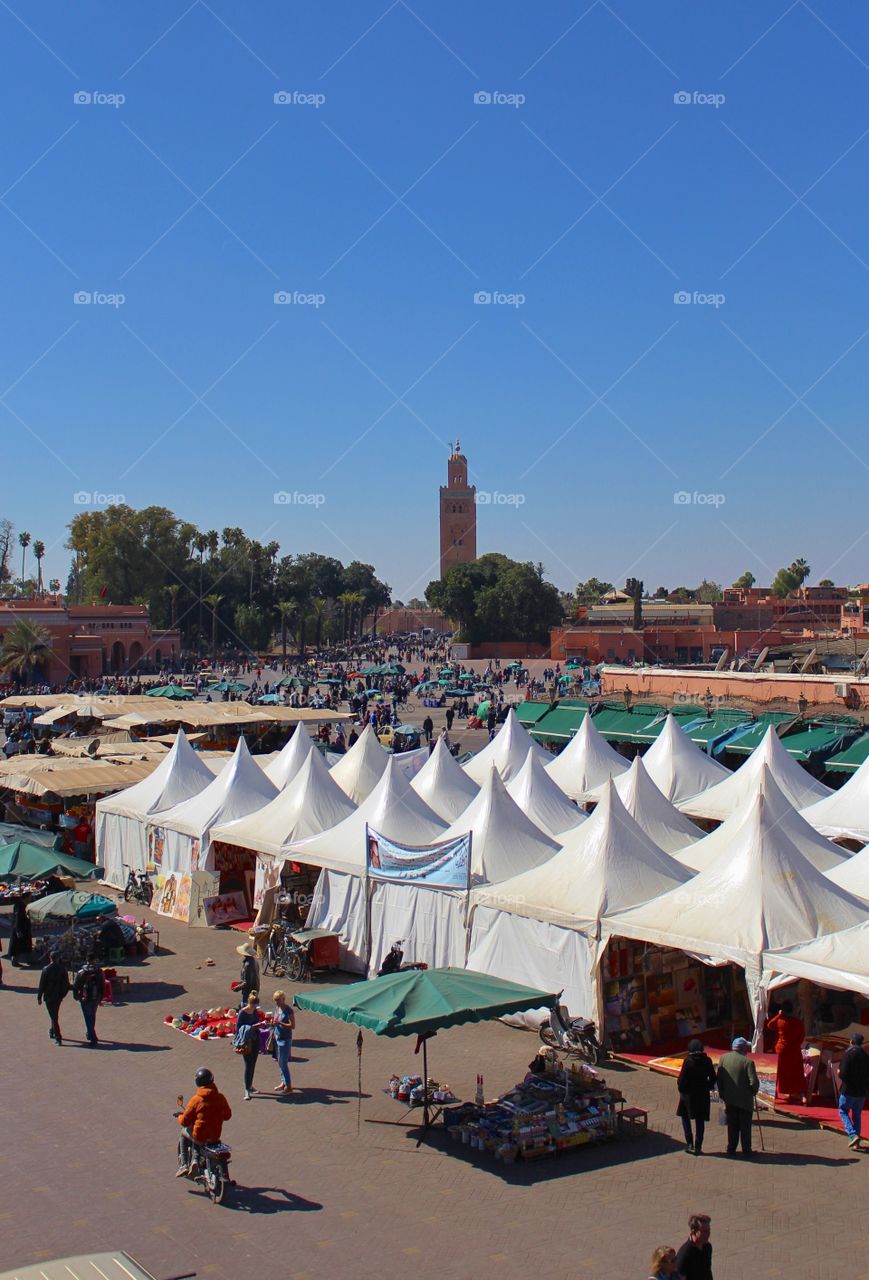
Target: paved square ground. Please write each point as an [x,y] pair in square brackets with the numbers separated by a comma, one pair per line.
[88,1156]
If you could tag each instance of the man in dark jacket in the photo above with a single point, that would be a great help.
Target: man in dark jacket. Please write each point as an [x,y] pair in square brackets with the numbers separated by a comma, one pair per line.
[694,1259]
[88,988]
[854,1071]
[53,990]
[696,1082]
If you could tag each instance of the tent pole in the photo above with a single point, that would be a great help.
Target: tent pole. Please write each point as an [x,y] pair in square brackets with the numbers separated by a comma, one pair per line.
[425,1116]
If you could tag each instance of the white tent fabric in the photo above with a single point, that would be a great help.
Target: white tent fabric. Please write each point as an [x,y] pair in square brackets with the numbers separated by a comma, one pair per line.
[668,828]
[719,802]
[837,960]
[393,809]
[586,762]
[852,875]
[678,767]
[237,790]
[121,839]
[549,918]
[443,784]
[289,761]
[361,768]
[506,751]
[765,895]
[844,814]
[543,801]
[308,805]
[503,840]
[820,852]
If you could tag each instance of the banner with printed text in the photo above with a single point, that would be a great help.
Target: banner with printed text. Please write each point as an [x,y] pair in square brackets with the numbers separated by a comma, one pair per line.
[444,866]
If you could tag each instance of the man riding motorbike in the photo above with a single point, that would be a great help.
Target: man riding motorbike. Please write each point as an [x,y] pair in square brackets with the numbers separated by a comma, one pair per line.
[201,1121]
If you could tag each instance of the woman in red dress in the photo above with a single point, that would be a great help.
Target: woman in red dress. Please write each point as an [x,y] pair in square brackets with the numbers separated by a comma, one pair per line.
[790,1079]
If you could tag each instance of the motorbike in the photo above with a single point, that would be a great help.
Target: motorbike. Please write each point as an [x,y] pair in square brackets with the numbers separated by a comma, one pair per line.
[394,962]
[575,1036]
[212,1159]
[138,887]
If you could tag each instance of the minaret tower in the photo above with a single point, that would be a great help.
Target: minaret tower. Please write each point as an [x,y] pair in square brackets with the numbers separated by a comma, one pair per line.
[458,513]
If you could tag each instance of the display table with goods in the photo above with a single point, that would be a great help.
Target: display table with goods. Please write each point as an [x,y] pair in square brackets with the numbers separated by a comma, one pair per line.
[567,1106]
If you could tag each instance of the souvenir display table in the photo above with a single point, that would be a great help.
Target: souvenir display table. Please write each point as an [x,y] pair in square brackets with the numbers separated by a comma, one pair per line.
[568,1106]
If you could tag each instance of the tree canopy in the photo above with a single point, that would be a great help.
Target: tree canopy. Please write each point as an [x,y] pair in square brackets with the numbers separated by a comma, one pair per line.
[495,598]
[787,580]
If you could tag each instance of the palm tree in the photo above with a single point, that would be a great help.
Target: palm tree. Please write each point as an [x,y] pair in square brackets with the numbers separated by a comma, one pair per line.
[213,601]
[213,540]
[286,608]
[25,646]
[200,542]
[39,552]
[357,604]
[54,585]
[319,604]
[172,592]
[24,543]
[346,601]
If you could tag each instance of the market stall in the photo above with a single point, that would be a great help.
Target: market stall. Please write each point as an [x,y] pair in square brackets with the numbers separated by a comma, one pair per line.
[587,762]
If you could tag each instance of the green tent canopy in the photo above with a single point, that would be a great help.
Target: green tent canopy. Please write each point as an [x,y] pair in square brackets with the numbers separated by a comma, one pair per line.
[422,1001]
[11,832]
[173,691]
[72,904]
[228,686]
[21,860]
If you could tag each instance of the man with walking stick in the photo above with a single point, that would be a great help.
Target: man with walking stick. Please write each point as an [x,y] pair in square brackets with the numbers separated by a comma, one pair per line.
[738,1085]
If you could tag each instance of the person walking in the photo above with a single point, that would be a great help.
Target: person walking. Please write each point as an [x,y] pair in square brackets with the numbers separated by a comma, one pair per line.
[694,1259]
[21,938]
[695,1084]
[249,971]
[52,991]
[790,1076]
[247,1026]
[663,1263]
[449,717]
[428,728]
[738,1085]
[88,988]
[283,1025]
[854,1073]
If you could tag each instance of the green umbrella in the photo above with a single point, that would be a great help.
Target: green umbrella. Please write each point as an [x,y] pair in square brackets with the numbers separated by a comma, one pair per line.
[10,832]
[391,669]
[483,708]
[72,904]
[21,860]
[228,686]
[173,691]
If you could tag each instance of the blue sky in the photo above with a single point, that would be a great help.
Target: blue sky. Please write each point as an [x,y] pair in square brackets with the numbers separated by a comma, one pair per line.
[583,196]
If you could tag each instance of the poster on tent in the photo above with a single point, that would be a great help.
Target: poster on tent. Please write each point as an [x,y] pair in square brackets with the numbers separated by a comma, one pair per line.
[156,846]
[173,896]
[223,908]
[444,866]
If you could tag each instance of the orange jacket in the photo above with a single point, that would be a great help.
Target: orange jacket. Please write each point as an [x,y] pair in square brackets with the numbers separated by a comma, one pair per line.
[205,1113]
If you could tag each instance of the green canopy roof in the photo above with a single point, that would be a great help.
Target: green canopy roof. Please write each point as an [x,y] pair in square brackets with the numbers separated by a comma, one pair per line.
[173,691]
[21,860]
[849,760]
[560,724]
[818,739]
[72,903]
[422,1001]
[706,731]
[620,725]
[226,686]
[10,832]
[528,713]
[744,743]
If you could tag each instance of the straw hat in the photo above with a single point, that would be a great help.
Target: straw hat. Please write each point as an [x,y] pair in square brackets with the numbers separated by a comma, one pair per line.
[246,949]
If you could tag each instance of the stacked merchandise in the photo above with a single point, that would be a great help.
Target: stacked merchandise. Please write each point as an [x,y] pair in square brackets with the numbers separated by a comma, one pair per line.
[409,1089]
[565,1107]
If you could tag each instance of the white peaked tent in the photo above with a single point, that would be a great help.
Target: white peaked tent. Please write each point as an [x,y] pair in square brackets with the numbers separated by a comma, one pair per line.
[662,822]
[820,852]
[433,922]
[765,895]
[443,784]
[844,814]
[184,831]
[838,960]
[586,762]
[543,801]
[678,767]
[308,805]
[718,802]
[544,926]
[852,874]
[289,761]
[121,837]
[360,769]
[393,809]
[506,751]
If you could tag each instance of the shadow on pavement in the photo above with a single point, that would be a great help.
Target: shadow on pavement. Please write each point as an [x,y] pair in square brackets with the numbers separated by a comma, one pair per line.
[324,1096]
[566,1164]
[138,992]
[787,1157]
[268,1200]
[126,1046]
[312,1044]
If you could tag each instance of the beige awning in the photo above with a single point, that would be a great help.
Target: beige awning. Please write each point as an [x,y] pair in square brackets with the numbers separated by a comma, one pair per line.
[80,780]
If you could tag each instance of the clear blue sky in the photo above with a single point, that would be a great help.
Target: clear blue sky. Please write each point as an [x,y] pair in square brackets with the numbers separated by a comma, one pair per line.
[398,198]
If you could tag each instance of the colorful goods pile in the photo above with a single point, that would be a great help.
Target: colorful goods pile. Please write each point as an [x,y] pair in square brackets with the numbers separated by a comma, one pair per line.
[565,1107]
[409,1089]
[207,1024]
